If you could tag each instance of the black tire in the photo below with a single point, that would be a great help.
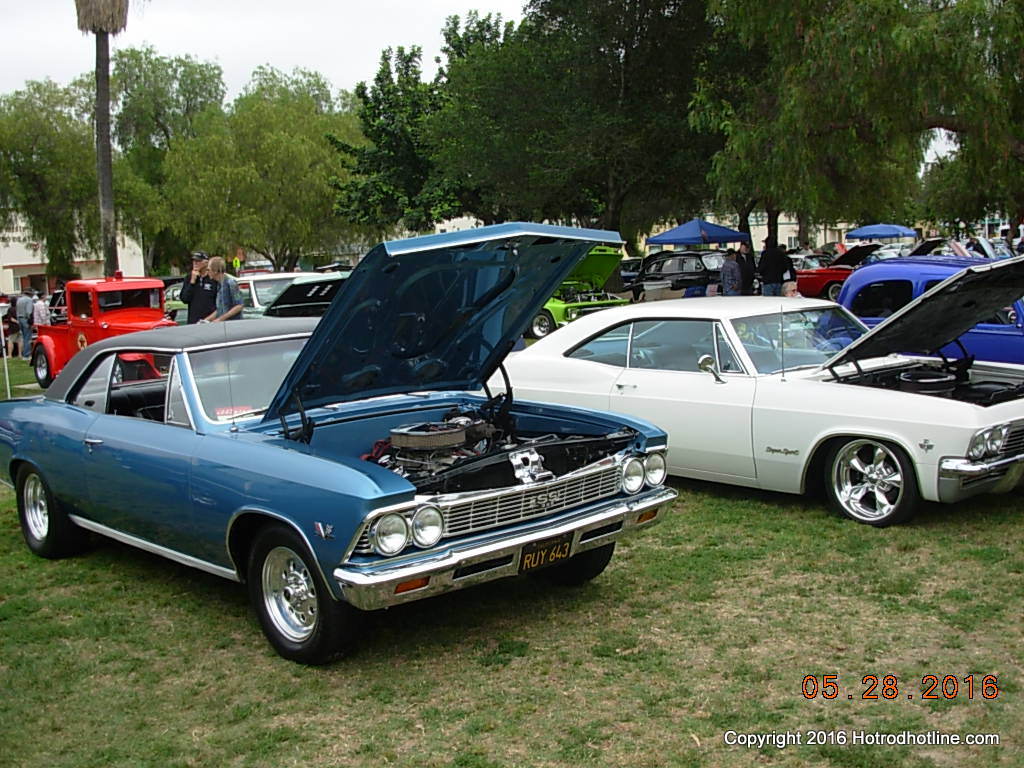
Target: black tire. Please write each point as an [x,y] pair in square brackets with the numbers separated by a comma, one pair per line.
[580,568]
[871,481]
[832,291]
[41,367]
[46,527]
[301,620]
[542,325]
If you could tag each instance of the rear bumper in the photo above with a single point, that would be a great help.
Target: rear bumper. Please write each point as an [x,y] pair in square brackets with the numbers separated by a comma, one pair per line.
[478,561]
[961,478]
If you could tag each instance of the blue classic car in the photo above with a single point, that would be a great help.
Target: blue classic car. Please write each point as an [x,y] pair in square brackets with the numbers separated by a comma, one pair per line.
[347,465]
[878,290]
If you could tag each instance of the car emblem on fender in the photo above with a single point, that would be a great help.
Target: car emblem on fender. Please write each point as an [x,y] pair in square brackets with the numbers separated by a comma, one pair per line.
[324,530]
[926,445]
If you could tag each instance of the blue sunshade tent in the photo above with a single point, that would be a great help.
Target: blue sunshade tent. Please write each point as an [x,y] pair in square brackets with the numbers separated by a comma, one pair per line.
[872,231]
[696,232]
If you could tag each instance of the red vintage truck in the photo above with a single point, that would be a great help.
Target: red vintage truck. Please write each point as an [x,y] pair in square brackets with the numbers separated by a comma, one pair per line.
[96,309]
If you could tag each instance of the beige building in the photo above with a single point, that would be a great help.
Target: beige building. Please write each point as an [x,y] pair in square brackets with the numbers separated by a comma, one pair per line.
[23,260]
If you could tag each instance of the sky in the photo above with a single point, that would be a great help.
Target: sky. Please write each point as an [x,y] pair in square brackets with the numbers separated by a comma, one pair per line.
[341,39]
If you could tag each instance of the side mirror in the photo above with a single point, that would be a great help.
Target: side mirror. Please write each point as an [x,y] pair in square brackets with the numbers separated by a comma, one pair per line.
[706,363]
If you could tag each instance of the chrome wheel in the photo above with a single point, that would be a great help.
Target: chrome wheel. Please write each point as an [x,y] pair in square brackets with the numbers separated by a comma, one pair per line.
[833,291]
[542,325]
[42,368]
[37,513]
[867,481]
[289,595]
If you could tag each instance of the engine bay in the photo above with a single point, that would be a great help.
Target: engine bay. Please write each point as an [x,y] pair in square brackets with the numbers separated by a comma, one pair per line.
[951,379]
[473,449]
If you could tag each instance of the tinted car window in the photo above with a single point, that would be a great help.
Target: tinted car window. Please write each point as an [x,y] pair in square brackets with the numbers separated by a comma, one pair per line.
[608,348]
[670,345]
[883,298]
[81,305]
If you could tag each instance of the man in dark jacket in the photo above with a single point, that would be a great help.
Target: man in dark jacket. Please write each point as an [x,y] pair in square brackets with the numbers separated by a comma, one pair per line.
[745,258]
[200,290]
[776,267]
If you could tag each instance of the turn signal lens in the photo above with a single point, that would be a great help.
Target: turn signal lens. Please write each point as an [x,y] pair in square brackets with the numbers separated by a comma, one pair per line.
[389,535]
[427,526]
[633,476]
[655,469]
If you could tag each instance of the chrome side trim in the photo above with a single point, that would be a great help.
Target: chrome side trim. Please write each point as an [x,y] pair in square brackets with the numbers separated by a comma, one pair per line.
[371,587]
[156,549]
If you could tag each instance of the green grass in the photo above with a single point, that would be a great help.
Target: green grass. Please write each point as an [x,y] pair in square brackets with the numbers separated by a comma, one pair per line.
[703,624]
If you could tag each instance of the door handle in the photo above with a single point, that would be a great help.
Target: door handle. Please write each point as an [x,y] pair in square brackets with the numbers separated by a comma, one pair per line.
[91,443]
[625,386]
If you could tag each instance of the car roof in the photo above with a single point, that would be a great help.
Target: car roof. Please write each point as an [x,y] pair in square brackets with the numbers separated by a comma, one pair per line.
[180,338]
[261,276]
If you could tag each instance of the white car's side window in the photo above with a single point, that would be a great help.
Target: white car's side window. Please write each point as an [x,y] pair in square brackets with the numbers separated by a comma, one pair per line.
[670,345]
[610,348]
[727,360]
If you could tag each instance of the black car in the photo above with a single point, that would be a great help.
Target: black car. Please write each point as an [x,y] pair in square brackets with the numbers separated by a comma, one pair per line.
[677,274]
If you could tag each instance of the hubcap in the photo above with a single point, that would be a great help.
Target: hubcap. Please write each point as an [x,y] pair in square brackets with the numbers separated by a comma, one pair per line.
[42,367]
[833,292]
[37,516]
[288,594]
[867,480]
[541,325]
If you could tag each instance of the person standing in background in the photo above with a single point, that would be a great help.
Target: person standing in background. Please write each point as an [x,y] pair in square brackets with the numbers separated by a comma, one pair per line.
[745,259]
[776,267]
[229,297]
[40,311]
[199,291]
[732,277]
[23,309]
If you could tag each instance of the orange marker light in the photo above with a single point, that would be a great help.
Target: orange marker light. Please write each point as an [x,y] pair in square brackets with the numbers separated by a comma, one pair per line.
[646,515]
[409,586]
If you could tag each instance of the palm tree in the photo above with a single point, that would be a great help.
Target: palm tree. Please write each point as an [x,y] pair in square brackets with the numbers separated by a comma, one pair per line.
[104,18]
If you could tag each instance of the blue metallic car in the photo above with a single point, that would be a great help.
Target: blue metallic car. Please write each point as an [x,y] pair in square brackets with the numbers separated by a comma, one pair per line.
[876,291]
[348,465]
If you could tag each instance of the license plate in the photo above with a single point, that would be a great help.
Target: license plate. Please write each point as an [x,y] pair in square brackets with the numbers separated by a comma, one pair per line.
[541,554]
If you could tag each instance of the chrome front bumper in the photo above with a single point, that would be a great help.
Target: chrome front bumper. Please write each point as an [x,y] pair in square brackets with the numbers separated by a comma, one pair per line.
[462,565]
[960,478]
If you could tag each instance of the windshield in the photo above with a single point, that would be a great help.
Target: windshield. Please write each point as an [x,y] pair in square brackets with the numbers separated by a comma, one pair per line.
[795,339]
[138,298]
[241,380]
[267,290]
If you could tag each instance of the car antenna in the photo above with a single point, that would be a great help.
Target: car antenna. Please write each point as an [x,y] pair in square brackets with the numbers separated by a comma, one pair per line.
[782,340]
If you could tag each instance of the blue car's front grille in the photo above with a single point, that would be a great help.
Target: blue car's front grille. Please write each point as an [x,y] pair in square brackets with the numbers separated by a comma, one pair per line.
[514,505]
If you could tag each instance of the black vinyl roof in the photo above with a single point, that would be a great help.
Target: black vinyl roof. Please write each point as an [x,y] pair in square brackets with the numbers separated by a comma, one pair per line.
[175,339]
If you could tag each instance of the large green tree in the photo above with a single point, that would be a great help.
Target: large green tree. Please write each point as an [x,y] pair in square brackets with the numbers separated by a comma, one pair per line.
[257,176]
[104,18]
[852,90]
[158,101]
[48,170]
[581,114]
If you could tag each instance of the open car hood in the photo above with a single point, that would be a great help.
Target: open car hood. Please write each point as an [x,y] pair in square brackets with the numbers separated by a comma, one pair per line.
[854,256]
[943,314]
[432,313]
[599,264]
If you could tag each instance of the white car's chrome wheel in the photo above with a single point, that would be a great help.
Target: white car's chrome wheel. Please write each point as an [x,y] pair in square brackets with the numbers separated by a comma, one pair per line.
[289,594]
[870,481]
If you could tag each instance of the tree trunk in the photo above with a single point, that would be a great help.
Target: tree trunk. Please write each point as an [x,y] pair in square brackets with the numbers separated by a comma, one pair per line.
[803,230]
[744,214]
[104,165]
[773,224]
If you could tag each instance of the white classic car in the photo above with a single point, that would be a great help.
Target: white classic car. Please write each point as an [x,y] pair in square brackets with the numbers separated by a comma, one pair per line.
[796,394]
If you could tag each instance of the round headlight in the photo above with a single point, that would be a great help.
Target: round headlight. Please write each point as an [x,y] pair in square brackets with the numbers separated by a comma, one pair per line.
[977,447]
[390,534]
[633,476]
[655,469]
[427,526]
[994,441]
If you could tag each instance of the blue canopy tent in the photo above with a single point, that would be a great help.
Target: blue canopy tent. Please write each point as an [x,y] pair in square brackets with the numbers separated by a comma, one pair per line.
[698,232]
[877,231]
